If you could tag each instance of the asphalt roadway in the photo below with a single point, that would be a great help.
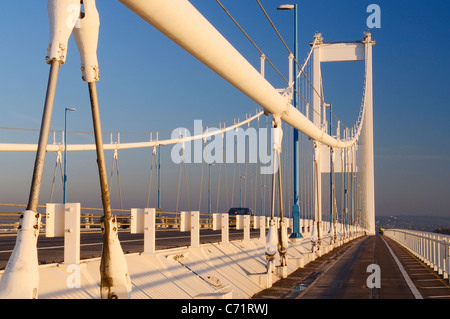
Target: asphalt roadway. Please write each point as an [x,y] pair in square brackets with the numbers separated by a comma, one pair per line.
[346,273]
[51,250]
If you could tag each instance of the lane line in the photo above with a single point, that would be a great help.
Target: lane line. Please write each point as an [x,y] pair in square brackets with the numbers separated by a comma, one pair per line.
[408,280]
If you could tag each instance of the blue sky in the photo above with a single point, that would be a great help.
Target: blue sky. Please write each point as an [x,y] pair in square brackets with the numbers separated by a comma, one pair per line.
[150,84]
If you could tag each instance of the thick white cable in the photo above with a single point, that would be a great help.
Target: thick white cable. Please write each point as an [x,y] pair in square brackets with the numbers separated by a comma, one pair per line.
[183,24]
[10,147]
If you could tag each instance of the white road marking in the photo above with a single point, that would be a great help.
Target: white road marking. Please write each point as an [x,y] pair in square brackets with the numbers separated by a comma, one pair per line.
[408,280]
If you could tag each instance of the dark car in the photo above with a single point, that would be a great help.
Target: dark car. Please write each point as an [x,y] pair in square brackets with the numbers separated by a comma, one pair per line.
[233,212]
[240,211]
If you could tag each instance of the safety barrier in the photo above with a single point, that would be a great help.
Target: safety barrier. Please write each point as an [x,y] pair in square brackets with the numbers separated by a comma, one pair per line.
[71,220]
[191,266]
[433,249]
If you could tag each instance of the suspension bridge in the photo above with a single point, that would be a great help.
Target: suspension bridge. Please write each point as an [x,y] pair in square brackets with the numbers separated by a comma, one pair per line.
[304,179]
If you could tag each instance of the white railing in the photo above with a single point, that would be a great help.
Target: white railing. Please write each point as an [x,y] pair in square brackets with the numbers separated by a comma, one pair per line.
[433,249]
[69,221]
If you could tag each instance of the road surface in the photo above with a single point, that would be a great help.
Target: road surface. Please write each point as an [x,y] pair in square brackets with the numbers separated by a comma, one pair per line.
[350,272]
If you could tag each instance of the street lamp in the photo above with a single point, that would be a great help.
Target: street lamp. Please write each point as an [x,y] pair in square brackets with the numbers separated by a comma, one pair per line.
[287,7]
[72,109]
[296,207]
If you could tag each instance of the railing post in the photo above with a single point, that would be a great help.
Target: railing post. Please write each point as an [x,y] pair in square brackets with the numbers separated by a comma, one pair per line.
[185,221]
[149,230]
[422,250]
[225,229]
[65,220]
[137,221]
[195,229]
[246,228]
[220,221]
[262,227]
[239,222]
[54,220]
[436,253]
[447,261]
[72,222]
[216,221]
[430,251]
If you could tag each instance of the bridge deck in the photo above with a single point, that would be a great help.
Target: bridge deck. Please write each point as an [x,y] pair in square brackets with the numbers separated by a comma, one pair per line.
[342,274]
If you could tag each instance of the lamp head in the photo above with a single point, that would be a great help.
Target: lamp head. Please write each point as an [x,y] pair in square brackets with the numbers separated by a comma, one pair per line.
[286,7]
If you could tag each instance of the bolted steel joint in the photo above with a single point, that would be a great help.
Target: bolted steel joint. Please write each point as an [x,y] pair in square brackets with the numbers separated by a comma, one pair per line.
[62,16]
[86,37]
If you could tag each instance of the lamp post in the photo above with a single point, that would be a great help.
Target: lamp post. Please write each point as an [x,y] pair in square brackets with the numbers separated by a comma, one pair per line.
[72,109]
[296,207]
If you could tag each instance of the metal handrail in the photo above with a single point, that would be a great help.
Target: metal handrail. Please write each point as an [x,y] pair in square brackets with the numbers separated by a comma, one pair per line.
[433,249]
[91,219]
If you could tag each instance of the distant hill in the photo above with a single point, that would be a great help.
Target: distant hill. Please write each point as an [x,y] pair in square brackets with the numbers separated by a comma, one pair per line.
[424,223]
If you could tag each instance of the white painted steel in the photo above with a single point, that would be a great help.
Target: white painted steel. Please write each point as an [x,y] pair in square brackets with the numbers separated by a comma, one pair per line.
[220,270]
[195,229]
[9,147]
[149,230]
[118,268]
[405,275]
[283,237]
[137,221]
[54,220]
[432,249]
[225,229]
[143,221]
[20,280]
[72,228]
[217,270]
[217,221]
[185,221]
[272,239]
[62,15]
[366,143]
[86,37]
[363,129]
[183,24]
[239,222]
[246,225]
[262,227]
